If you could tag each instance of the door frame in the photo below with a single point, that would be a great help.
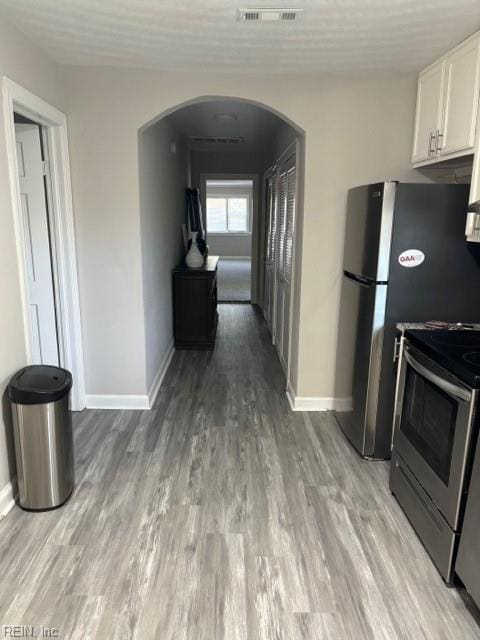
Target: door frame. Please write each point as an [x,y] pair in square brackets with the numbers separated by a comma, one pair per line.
[257,270]
[59,196]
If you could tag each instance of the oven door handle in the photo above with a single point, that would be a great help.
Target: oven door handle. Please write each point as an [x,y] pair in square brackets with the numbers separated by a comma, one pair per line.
[448,387]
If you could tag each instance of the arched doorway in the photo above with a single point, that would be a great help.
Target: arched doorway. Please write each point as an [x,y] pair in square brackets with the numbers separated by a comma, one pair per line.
[217,144]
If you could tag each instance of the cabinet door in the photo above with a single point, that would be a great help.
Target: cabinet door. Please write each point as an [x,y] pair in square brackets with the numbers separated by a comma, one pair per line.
[428,118]
[474,197]
[461,99]
[280,263]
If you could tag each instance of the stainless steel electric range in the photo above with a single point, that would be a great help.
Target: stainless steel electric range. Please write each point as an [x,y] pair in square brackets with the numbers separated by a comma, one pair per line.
[435,430]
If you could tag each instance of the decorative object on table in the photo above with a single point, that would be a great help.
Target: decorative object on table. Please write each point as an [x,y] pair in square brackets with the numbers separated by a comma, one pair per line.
[194,258]
[197,249]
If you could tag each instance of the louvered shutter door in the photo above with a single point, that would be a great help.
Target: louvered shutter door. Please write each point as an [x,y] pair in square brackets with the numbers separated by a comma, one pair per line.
[269,219]
[281,223]
[289,223]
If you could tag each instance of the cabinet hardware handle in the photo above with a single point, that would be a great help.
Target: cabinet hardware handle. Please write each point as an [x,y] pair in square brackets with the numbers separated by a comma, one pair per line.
[439,141]
[430,150]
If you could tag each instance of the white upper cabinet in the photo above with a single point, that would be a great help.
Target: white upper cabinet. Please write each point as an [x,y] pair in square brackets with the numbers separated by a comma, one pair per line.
[447,105]
[429,112]
[462,74]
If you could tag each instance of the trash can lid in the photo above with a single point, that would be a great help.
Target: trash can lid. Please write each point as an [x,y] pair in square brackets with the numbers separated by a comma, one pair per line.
[39,384]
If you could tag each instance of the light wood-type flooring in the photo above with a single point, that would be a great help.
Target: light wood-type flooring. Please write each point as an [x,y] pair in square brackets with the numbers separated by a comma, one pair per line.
[222,515]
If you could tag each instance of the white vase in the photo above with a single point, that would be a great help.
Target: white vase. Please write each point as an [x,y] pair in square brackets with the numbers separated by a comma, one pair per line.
[194,258]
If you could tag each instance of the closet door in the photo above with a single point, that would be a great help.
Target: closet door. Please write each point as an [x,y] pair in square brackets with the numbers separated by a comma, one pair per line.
[280,282]
[271,210]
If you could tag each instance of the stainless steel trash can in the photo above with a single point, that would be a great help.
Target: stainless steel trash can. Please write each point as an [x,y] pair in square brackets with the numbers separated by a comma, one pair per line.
[42,425]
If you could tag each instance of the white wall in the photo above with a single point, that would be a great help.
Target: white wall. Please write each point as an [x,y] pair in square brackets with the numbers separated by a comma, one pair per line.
[284,138]
[358,129]
[163,179]
[105,183]
[26,65]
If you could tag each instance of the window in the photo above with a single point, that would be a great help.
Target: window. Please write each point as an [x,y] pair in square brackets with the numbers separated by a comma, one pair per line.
[229,206]
[227,215]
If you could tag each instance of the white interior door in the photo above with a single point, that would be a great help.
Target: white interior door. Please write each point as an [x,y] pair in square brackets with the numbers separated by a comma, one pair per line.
[37,240]
[428,119]
[284,258]
[288,260]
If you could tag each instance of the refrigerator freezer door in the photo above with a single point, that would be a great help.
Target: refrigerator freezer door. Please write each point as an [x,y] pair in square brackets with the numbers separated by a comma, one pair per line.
[360,342]
[468,559]
[368,230]
[430,218]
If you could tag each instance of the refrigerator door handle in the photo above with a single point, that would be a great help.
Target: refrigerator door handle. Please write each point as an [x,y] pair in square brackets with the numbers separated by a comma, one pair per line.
[363,280]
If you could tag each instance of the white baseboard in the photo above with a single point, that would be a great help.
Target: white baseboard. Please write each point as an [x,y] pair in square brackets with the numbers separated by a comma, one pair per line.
[117,402]
[140,402]
[162,370]
[235,257]
[7,499]
[315,403]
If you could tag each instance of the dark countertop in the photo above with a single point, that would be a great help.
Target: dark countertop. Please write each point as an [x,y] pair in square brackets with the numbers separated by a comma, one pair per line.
[420,326]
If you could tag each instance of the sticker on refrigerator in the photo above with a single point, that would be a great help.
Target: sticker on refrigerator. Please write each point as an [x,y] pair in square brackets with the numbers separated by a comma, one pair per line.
[411,258]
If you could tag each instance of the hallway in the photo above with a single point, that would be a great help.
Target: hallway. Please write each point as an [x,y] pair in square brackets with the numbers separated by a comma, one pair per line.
[222,515]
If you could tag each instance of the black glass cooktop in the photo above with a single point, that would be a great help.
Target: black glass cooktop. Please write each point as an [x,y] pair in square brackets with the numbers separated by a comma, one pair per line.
[456,350]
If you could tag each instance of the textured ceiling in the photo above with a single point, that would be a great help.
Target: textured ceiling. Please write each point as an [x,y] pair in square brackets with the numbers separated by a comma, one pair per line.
[331,36]
[255,125]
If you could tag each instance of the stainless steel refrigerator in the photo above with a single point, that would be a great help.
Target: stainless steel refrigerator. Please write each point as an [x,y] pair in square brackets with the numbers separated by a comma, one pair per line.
[405,260]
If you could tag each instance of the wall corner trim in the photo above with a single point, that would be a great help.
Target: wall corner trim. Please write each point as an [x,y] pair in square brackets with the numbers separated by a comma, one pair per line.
[160,375]
[7,499]
[134,402]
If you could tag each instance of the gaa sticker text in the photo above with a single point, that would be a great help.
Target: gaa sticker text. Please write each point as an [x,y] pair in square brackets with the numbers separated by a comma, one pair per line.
[411,258]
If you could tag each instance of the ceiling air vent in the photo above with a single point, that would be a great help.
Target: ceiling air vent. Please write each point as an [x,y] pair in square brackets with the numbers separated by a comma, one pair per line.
[251,16]
[213,139]
[269,15]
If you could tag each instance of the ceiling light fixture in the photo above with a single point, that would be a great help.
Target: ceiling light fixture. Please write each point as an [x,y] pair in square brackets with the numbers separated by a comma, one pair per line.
[216,139]
[281,14]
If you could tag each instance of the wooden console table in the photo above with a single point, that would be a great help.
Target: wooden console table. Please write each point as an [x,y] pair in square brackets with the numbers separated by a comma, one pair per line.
[195,315]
